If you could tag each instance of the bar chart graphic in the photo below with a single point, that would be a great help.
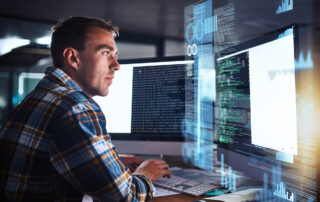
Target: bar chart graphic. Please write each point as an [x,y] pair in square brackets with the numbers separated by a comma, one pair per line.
[304,63]
[278,191]
[285,5]
[281,192]
[228,178]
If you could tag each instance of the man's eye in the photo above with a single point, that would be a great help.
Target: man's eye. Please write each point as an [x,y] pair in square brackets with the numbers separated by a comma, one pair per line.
[105,52]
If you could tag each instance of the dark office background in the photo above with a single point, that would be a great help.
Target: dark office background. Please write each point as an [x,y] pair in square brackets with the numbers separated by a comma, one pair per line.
[148,29]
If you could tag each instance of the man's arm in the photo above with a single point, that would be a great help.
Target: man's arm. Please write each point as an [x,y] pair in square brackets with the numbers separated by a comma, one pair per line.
[154,169]
[131,161]
[81,151]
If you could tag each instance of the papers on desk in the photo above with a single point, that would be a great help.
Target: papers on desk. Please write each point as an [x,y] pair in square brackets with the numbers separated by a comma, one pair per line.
[163,192]
[245,195]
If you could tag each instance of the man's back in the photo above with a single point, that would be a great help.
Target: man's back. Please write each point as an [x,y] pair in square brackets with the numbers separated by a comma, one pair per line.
[54,137]
[25,141]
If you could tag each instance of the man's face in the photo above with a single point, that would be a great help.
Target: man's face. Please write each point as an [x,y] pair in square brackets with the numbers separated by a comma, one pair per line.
[98,62]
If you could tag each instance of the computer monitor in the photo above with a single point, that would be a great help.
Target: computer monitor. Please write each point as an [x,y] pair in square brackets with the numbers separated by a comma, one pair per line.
[256,92]
[146,105]
[256,118]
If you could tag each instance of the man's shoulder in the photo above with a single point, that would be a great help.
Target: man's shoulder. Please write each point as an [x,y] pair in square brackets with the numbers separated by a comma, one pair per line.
[52,93]
[58,89]
[64,94]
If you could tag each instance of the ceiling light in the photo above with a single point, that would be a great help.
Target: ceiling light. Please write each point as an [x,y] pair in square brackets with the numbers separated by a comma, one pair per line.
[9,43]
[45,40]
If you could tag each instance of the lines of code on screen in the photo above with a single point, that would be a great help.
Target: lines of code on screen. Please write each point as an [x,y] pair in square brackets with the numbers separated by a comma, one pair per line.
[232,112]
[158,99]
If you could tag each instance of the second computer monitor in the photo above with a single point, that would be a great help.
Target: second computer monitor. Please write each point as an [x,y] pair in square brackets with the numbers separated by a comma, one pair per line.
[146,105]
[256,114]
[256,97]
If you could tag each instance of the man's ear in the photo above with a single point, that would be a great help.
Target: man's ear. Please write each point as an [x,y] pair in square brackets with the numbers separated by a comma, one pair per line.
[71,57]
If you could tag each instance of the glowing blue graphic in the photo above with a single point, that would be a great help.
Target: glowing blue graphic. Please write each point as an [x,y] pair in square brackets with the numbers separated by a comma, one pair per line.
[227,181]
[286,33]
[264,194]
[192,49]
[201,28]
[198,131]
[210,24]
[194,151]
[189,34]
[282,193]
[304,63]
[203,24]
[206,76]
[187,152]
[222,169]
[278,186]
[286,5]
[278,192]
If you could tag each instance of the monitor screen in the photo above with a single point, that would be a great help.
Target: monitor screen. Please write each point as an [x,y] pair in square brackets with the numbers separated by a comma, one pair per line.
[256,117]
[147,102]
[256,98]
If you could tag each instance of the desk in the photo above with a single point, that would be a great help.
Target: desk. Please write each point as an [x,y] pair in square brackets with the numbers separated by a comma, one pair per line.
[244,195]
[177,198]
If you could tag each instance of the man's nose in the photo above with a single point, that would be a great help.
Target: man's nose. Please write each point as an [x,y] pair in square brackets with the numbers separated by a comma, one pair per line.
[115,64]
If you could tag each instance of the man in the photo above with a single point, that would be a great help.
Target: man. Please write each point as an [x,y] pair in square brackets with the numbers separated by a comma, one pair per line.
[55,146]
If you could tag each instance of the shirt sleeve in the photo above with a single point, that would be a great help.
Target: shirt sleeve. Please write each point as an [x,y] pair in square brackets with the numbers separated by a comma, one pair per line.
[81,151]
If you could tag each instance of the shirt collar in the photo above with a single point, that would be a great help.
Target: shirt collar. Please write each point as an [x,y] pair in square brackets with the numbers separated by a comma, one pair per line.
[63,77]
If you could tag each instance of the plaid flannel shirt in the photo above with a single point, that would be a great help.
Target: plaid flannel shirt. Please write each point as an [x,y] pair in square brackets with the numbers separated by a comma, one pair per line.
[55,147]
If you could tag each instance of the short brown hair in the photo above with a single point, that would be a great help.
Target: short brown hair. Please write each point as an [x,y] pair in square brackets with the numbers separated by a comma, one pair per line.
[72,32]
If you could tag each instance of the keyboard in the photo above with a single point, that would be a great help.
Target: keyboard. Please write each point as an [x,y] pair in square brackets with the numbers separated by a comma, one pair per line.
[188,181]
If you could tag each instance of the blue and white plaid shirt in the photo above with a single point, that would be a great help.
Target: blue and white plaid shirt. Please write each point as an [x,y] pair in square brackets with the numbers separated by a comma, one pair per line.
[55,147]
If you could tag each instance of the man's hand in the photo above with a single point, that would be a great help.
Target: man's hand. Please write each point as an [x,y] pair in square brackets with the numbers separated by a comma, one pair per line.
[154,169]
[131,161]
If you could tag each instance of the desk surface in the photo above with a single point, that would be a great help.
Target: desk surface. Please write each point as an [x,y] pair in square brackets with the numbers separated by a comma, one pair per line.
[177,198]
[243,195]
